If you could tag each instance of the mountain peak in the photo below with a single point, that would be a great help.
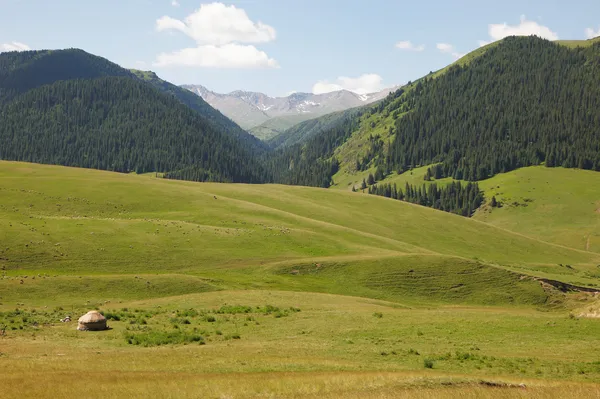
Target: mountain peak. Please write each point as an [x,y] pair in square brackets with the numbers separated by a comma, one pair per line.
[251,109]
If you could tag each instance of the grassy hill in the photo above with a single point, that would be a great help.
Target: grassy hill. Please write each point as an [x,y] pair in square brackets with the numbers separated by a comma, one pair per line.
[556,205]
[268,290]
[65,221]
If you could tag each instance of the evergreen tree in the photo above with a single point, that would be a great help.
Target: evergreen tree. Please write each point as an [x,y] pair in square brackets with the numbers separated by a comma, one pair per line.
[370,179]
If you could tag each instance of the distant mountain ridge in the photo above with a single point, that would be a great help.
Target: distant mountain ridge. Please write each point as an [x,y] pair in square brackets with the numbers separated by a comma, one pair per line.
[254,111]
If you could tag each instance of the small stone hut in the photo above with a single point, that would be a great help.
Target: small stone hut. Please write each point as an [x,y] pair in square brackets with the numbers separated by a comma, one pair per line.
[92,321]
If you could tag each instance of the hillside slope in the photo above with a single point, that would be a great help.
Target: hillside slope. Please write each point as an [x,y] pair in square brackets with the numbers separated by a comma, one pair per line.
[556,205]
[553,204]
[304,131]
[79,220]
[518,102]
[68,107]
[196,103]
[23,71]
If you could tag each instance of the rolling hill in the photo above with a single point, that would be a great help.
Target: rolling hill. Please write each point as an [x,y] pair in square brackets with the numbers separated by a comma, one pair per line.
[556,205]
[117,222]
[324,289]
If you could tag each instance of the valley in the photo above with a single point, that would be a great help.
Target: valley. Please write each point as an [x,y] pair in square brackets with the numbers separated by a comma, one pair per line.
[440,238]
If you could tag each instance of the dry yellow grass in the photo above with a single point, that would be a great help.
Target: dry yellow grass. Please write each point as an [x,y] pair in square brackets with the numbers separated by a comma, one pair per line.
[331,385]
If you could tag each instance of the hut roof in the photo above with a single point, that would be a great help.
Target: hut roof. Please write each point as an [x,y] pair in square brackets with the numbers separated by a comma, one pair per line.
[92,316]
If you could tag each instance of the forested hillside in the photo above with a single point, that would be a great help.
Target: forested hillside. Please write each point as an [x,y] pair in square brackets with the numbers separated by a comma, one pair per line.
[71,108]
[519,102]
[312,127]
[196,103]
[524,102]
[23,71]
[310,163]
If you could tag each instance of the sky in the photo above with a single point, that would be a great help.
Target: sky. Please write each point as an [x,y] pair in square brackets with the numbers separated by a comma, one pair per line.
[282,46]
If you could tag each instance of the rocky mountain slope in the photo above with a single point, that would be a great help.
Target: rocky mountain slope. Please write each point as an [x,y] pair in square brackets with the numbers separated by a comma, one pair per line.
[267,116]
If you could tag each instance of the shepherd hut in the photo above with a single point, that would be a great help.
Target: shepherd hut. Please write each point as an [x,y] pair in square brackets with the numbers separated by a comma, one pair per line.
[92,321]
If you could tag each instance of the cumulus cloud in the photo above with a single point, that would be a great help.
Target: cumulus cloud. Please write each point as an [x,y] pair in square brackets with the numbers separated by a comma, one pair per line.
[174,3]
[409,46]
[219,32]
[524,28]
[364,84]
[227,56]
[219,24]
[14,46]
[449,49]
[590,33]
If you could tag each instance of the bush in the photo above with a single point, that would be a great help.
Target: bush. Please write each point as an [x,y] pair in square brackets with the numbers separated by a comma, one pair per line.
[378,315]
[428,363]
[158,338]
[233,309]
[187,313]
[112,316]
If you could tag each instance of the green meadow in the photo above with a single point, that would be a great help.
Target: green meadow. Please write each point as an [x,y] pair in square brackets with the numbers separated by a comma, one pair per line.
[221,290]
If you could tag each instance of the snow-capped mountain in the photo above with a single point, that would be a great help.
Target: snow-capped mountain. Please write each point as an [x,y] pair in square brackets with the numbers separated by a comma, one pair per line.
[251,110]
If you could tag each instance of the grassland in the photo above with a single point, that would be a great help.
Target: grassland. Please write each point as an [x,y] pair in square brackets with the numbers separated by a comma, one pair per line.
[556,205]
[365,294]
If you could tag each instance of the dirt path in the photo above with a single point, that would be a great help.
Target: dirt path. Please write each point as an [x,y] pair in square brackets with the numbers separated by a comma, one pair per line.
[587,244]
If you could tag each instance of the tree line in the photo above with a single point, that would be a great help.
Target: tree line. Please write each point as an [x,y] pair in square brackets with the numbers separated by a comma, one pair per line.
[454,198]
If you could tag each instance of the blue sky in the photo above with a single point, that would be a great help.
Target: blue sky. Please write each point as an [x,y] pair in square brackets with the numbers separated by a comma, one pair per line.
[280,46]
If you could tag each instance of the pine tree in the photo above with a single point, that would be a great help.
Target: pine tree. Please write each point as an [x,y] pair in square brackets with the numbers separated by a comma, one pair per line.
[370,179]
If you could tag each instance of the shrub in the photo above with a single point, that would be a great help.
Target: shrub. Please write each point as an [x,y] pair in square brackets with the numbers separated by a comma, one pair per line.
[187,313]
[428,363]
[112,316]
[234,309]
[158,338]
[378,315]
[210,319]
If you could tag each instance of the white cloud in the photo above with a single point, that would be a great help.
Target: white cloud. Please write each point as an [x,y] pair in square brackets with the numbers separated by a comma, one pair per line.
[407,45]
[218,31]
[219,24]
[524,28]
[445,47]
[449,49]
[590,33]
[364,84]
[167,23]
[174,3]
[14,46]
[227,56]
